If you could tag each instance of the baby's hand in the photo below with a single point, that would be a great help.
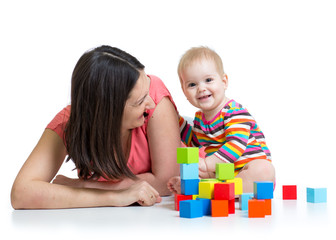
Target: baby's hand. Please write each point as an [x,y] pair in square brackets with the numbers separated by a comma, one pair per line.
[174,185]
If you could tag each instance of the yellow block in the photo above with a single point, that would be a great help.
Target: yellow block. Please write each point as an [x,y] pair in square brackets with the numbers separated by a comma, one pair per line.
[238,183]
[206,190]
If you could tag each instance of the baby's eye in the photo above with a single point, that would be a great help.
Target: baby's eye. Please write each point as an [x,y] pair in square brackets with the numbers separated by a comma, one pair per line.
[208,79]
[191,85]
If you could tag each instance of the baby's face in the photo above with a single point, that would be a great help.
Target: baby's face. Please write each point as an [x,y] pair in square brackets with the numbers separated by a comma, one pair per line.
[204,87]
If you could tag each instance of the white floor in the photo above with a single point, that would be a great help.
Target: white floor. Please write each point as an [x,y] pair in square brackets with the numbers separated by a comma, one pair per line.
[289,218]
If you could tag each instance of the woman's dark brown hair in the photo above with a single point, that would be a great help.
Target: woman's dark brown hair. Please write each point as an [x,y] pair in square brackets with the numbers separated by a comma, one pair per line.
[101,83]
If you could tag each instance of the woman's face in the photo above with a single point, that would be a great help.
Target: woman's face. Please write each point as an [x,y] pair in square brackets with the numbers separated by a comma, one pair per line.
[138,103]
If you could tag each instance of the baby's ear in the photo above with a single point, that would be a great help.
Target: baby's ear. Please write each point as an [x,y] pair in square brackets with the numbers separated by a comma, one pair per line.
[225,80]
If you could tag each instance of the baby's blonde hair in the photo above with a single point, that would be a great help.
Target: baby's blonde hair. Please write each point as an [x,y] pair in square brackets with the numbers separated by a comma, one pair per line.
[197,54]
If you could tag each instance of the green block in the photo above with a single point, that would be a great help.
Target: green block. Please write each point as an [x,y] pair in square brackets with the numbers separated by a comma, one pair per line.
[224,171]
[187,155]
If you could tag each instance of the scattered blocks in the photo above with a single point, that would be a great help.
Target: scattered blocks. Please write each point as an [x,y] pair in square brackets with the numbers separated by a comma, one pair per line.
[219,208]
[289,192]
[191,209]
[316,195]
[189,186]
[256,208]
[243,200]
[224,191]
[187,155]
[224,171]
[238,185]
[263,190]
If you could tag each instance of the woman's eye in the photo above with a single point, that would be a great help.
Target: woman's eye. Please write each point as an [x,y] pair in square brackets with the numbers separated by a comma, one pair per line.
[191,85]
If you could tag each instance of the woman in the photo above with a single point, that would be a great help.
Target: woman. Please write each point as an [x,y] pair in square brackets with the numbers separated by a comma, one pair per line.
[121,131]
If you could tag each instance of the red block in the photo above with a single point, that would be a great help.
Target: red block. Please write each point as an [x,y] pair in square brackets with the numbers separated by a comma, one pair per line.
[181,197]
[289,192]
[224,191]
[268,206]
[219,208]
[232,207]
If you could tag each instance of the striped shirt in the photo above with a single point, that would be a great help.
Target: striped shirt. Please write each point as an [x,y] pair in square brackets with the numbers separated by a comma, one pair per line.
[232,135]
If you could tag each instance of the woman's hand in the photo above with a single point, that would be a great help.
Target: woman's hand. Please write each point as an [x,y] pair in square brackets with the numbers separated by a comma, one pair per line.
[140,192]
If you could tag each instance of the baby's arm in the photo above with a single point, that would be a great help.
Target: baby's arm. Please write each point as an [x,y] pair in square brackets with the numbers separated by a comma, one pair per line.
[188,137]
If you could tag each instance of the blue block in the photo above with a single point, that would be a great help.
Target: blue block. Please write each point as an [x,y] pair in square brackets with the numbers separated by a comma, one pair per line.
[191,209]
[263,190]
[316,195]
[243,200]
[206,206]
[189,171]
[189,186]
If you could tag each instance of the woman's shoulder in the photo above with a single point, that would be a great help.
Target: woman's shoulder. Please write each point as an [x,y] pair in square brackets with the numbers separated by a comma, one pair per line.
[59,121]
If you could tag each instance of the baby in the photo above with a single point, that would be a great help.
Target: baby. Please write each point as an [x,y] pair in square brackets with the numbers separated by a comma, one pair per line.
[223,127]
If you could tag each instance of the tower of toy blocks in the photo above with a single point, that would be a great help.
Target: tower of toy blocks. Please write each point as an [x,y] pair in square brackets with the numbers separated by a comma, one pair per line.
[188,160]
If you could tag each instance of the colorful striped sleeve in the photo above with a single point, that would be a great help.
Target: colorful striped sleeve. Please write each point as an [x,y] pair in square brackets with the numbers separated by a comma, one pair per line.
[188,137]
[237,122]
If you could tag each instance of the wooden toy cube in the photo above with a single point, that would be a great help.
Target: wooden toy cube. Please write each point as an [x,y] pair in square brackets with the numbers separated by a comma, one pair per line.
[206,190]
[189,186]
[232,207]
[191,209]
[219,208]
[189,171]
[206,206]
[224,171]
[263,190]
[238,183]
[289,192]
[243,200]
[187,155]
[256,208]
[180,197]
[224,191]
[316,195]
[268,206]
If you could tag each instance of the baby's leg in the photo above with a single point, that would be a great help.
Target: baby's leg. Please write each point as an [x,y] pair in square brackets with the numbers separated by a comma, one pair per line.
[256,170]
[174,185]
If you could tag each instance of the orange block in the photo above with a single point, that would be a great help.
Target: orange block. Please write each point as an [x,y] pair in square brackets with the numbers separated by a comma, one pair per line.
[219,208]
[256,208]
[268,206]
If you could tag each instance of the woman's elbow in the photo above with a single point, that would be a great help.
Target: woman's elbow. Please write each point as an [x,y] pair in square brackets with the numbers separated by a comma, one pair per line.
[23,198]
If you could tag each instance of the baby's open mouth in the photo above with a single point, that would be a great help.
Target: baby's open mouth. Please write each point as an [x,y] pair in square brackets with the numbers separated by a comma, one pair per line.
[145,114]
[204,97]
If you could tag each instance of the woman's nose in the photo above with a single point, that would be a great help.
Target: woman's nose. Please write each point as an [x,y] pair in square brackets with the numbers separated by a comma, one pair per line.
[150,103]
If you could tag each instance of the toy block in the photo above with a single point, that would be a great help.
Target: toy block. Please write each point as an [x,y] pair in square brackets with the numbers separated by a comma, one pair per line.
[232,207]
[263,190]
[238,183]
[256,208]
[189,171]
[224,191]
[206,206]
[243,200]
[219,208]
[289,192]
[224,171]
[189,186]
[316,195]
[180,197]
[187,155]
[215,180]
[206,190]
[268,206]
[191,209]
[194,197]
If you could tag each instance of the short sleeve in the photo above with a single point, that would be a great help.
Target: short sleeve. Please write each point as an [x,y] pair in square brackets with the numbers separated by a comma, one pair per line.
[59,122]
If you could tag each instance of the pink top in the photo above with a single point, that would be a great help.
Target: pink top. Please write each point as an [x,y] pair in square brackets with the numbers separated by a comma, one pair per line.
[139,160]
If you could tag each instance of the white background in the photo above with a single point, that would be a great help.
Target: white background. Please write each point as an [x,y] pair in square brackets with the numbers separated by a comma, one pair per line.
[280,57]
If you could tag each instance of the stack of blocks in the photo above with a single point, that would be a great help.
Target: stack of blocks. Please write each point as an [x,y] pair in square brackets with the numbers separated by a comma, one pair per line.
[261,204]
